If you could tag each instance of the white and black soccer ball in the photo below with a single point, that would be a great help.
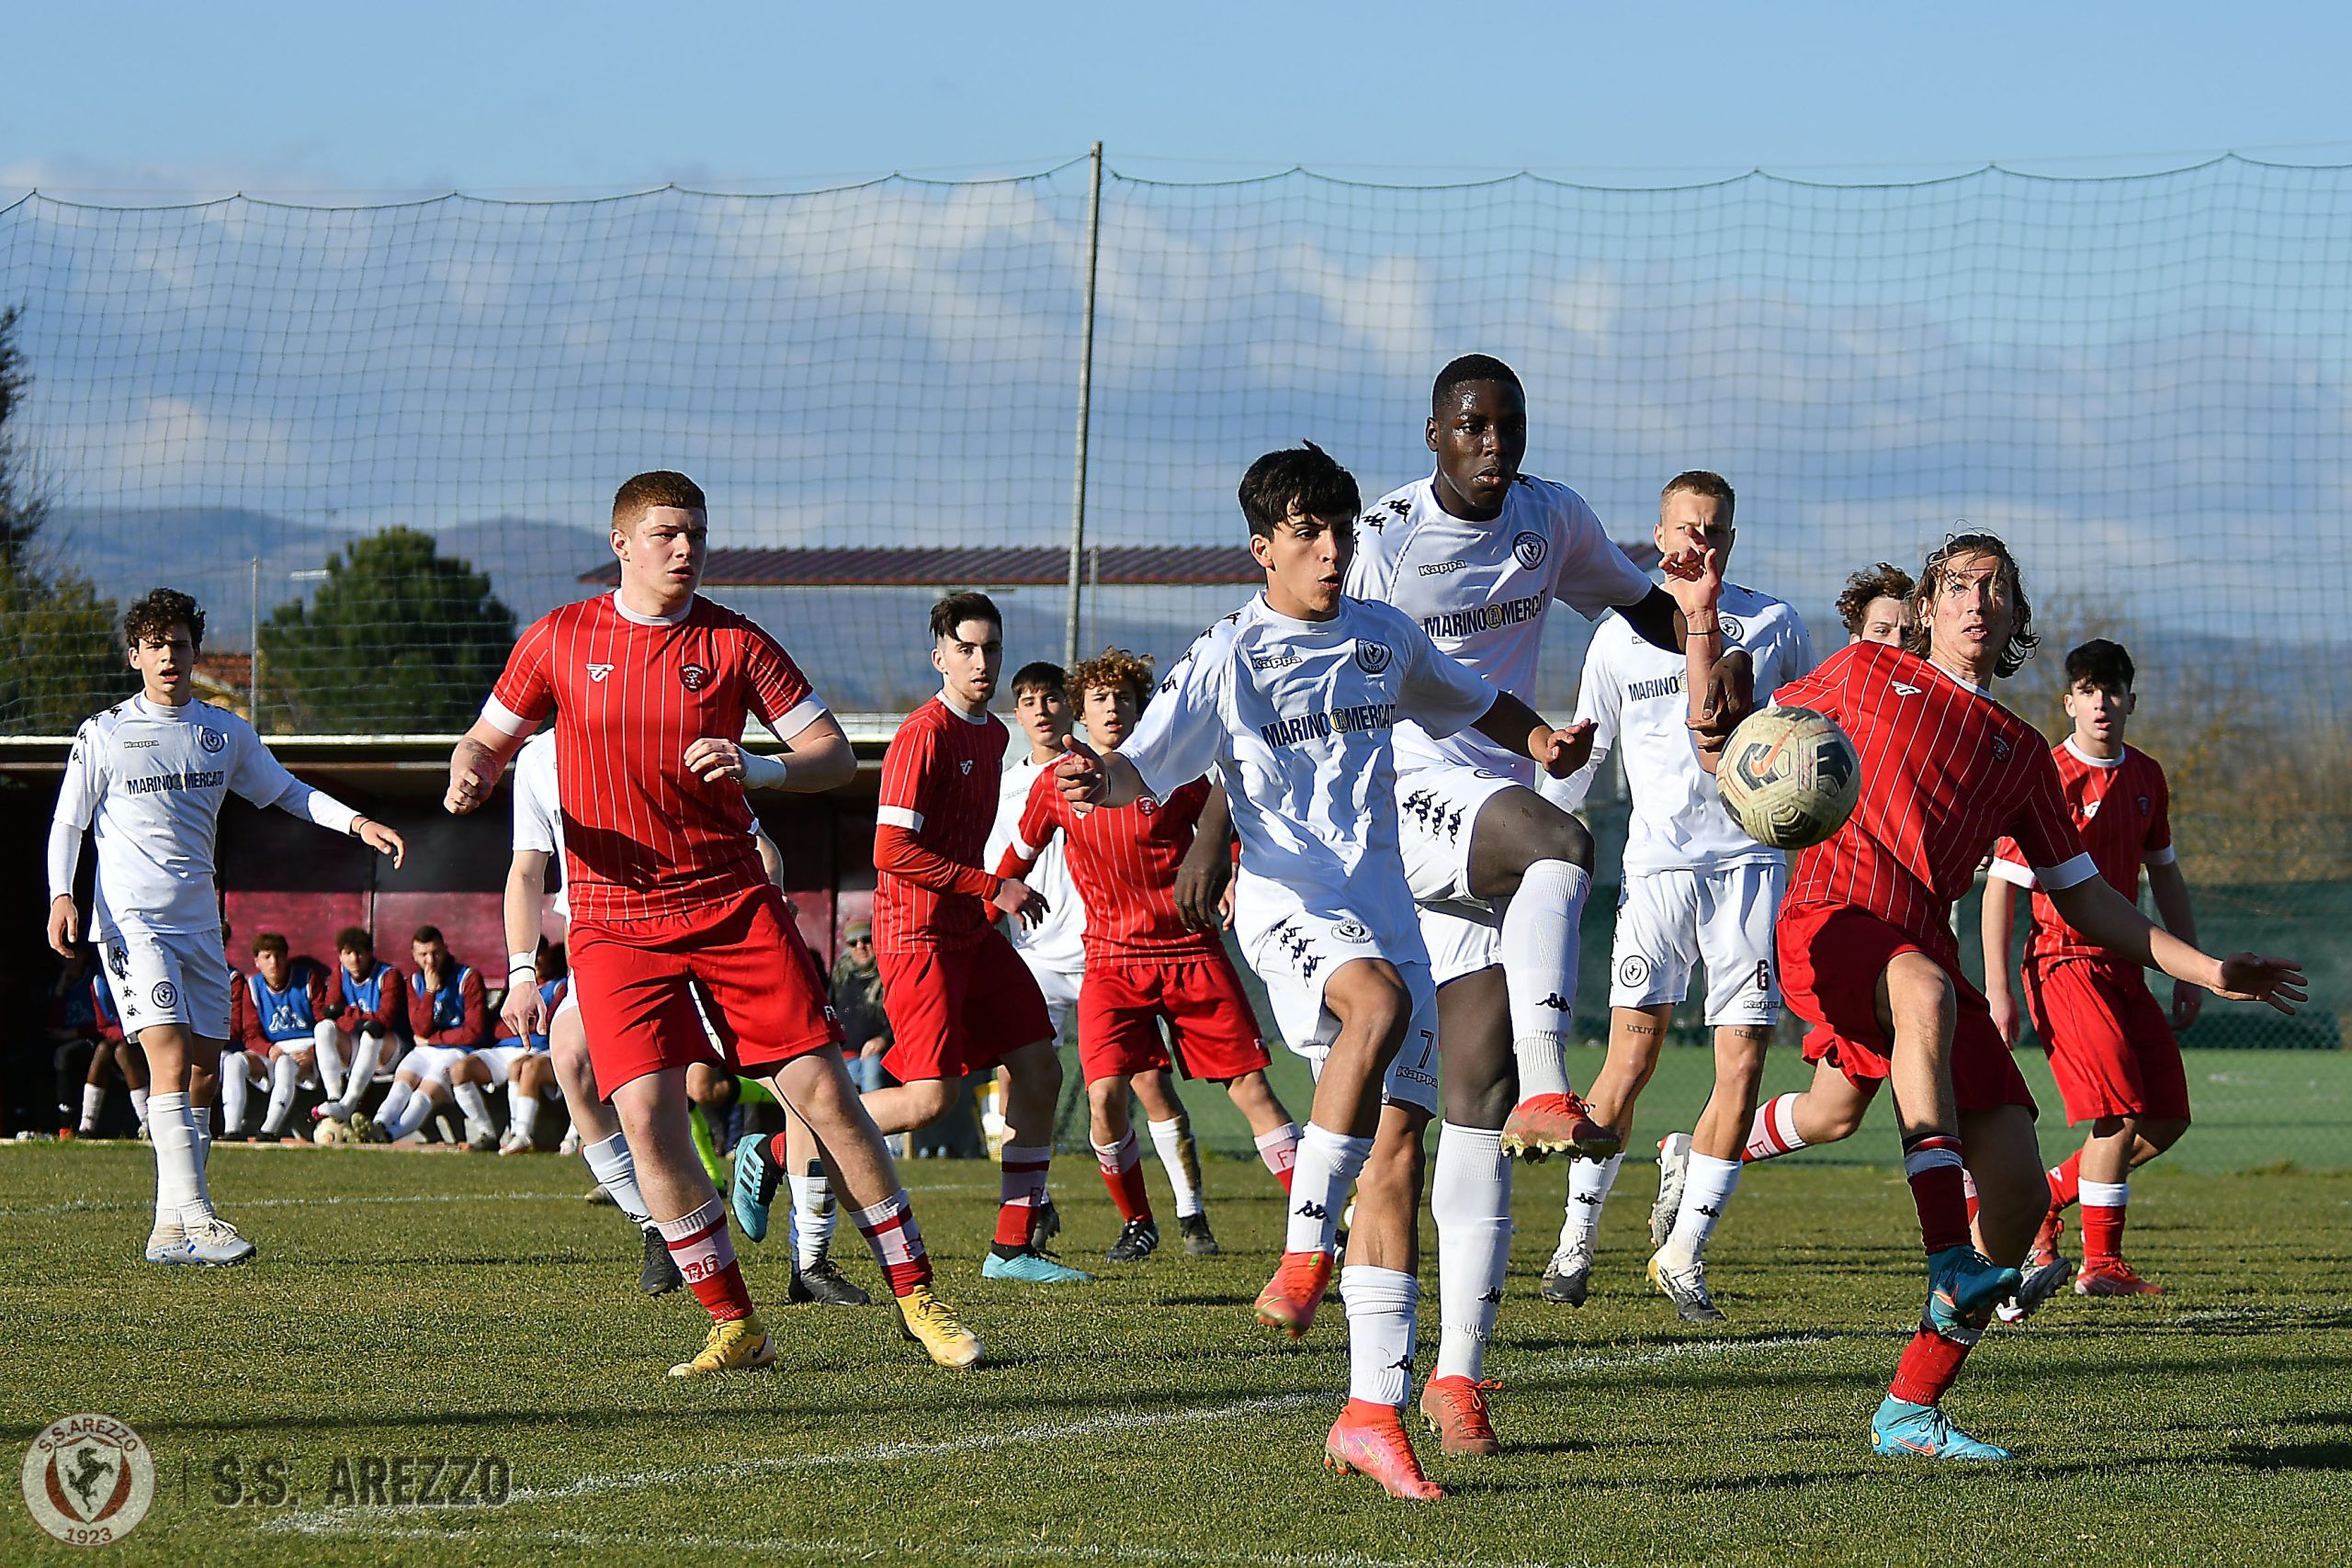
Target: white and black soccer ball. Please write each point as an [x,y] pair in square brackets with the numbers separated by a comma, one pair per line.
[1789,777]
[330,1132]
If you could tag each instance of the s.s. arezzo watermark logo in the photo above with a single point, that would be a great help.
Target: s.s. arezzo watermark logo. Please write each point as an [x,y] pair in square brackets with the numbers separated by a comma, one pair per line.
[88,1478]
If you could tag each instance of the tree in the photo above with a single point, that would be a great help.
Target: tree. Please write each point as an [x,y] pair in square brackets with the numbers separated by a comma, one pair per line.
[399,640]
[59,631]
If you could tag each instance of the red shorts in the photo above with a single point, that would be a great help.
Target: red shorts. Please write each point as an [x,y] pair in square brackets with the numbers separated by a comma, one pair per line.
[1210,1023]
[957,1010]
[637,981]
[2110,1048]
[1831,958]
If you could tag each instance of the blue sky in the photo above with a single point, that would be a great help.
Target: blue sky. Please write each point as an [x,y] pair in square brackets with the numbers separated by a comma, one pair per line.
[172,97]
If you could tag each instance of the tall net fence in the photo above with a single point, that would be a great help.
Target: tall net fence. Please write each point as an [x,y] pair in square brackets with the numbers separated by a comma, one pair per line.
[380,438]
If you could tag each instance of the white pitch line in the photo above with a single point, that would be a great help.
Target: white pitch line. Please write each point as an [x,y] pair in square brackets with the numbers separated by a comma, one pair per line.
[102,1205]
[1692,1350]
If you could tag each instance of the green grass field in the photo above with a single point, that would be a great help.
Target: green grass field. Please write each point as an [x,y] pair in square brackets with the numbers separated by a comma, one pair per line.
[415,1303]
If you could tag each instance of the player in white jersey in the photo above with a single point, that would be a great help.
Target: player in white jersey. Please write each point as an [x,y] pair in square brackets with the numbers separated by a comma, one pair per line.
[148,777]
[1477,553]
[1295,697]
[1696,889]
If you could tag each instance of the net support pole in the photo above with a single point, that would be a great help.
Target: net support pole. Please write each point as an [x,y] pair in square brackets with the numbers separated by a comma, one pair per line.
[253,671]
[1085,405]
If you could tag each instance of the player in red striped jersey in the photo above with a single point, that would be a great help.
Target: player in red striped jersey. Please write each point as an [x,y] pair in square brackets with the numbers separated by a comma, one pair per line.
[1869,959]
[649,688]
[1144,964]
[960,999]
[2111,1048]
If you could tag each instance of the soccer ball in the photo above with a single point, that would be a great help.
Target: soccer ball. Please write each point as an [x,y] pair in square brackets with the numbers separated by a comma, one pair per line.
[330,1132]
[1790,776]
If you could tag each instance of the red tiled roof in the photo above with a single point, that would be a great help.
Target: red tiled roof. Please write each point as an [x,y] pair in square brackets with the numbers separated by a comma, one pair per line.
[1013,567]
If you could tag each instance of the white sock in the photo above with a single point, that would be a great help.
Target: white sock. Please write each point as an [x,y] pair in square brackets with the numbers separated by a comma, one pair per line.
[412,1116]
[813,1213]
[470,1101]
[202,1118]
[1470,1199]
[1588,1185]
[282,1074]
[179,1184]
[1383,1306]
[1182,1159]
[364,1056]
[1327,1168]
[233,1089]
[1707,1186]
[1539,953]
[396,1101]
[2104,1194]
[615,1169]
[1279,1149]
[524,1119]
[139,1105]
[326,1046]
[94,1102]
[1774,1131]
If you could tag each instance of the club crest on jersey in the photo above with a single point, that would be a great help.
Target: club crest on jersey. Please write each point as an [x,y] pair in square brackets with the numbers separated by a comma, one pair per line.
[166,996]
[1371,658]
[211,739]
[2145,804]
[1904,690]
[2000,748]
[693,677]
[2090,809]
[1730,629]
[1147,805]
[965,765]
[1350,931]
[1530,549]
[1634,972]
[598,672]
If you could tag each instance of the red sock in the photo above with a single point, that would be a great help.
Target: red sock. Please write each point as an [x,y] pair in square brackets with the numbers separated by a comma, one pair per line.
[706,1258]
[2103,1205]
[1121,1166]
[2066,1182]
[1279,1150]
[1968,1186]
[889,1231]
[1929,1364]
[1938,1187]
[1022,1183]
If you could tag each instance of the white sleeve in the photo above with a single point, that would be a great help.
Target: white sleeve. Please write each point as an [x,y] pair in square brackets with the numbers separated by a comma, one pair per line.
[2015,873]
[1596,699]
[84,783]
[1369,573]
[2068,873]
[64,857]
[534,804]
[1589,574]
[1794,651]
[1439,692]
[1183,732]
[263,779]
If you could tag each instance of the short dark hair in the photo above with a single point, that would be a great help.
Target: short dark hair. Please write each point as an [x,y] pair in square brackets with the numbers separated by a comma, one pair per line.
[957,608]
[2023,639]
[268,941]
[1884,580]
[1305,477]
[1469,368]
[159,612]
[552,960]
[1037,675]
[1116,667]
[2101,662]
[426,934]
[1702,481]
[355,939]
[661,486]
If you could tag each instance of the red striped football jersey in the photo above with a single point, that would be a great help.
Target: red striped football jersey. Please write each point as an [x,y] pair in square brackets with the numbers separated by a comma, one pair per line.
[643,838]
[2124,810]
[1124,860]
[1946,772]
[930,829]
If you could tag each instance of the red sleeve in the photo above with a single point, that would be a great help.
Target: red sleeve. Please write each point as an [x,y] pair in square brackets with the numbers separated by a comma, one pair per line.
[524,689]
[419,1012]
[907,796]
[339,1008]
[475,1029]
[2043,827]
[1041,818]
[777,685]
[1821,689]
[244,1020]
[388,999]
[906,775]
[2160,817]
[900,852]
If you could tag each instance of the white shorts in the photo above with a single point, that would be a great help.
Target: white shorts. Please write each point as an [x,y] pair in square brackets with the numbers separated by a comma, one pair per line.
[1668,920]
[1435,810]
[1462,938]
[293,1050]
[570,1003]
[501,1058]
[1298,959]
[168,977]
[433,1064]
[1060,989]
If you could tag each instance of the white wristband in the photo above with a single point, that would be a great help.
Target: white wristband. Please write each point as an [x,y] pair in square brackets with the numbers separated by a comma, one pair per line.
[521,961]
[763,772]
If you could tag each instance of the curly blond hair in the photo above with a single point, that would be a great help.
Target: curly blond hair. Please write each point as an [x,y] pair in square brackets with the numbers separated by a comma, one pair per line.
[1114,667]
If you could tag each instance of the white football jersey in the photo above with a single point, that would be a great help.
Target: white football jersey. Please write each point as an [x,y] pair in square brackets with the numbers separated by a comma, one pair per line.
[1635,695]
[1480,591]
[1299,717]
[149,782]
[1057,942]
[538,812]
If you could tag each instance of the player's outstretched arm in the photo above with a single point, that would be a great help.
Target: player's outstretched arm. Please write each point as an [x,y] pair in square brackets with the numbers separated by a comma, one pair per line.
[1090,778]
[1206,870]
[2113,921]
[1510,723]
[2169,888]
[481,754]
[1999,920]
[816,759]
[526,880]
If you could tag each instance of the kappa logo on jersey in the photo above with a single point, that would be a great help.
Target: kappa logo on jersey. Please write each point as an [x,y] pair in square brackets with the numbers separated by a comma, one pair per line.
[118,961]
[1530,548]
[1901,690]
[598,672]
[166,995]
[1371,658]
[1271,661]
[1350,930]
[693,677]
[2001,747]
[1441,567]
